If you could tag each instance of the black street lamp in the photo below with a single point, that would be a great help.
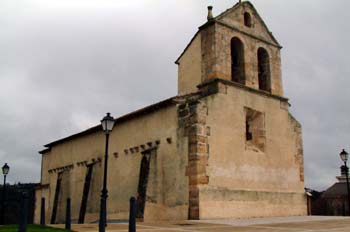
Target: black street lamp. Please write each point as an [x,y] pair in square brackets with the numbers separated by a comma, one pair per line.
[107,125]
[5,171]
[344,157]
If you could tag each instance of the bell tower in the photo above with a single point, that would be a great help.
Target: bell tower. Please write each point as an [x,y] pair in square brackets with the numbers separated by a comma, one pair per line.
[235,46]
[245,147]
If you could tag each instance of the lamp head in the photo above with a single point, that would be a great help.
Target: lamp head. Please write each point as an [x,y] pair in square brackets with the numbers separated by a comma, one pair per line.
[107,123]
[5,169]
[344,155]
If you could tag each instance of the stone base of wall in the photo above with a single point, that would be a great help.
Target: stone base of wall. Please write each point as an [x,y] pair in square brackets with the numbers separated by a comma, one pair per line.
[156,212]
[225,203]
[90,217]
[94,217]
[153,212]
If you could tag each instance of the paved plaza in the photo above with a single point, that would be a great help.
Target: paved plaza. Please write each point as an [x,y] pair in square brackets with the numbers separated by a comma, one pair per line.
[285,224]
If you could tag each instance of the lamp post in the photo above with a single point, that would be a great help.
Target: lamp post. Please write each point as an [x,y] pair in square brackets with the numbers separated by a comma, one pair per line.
[107,125]
[5,171]
[344,157]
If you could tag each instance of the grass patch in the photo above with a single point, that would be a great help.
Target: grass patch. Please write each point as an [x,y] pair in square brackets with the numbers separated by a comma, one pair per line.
[30,228]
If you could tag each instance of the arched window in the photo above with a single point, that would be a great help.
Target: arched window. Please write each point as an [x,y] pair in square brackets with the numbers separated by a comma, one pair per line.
[237,61]
[264,70]
[247,20]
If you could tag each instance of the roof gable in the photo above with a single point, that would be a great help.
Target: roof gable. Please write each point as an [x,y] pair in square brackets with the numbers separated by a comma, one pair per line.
[234,17]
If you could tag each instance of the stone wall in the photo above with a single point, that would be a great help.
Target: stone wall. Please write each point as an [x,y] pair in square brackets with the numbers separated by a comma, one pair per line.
[192,117]
[235,18]
[208,55]
[220,65]
[298,153]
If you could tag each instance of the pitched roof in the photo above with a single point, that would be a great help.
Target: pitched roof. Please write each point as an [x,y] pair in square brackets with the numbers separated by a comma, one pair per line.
[339,189]
[44,151]
[135,114]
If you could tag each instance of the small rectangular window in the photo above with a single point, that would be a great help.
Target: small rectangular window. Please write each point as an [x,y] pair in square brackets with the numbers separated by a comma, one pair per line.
[255,129]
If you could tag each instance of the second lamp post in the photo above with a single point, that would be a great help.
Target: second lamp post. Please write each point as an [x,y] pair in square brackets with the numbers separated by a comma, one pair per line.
[107,125]
[5,171]
[344,157]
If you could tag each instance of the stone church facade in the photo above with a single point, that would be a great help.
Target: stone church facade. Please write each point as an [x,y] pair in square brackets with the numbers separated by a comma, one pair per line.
[225,146]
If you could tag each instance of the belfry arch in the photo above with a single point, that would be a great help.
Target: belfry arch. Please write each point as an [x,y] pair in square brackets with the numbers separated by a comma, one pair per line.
[237,61]
[264,74]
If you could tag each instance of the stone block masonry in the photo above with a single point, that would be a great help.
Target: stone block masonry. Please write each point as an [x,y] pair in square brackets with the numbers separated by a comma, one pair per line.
[192,117]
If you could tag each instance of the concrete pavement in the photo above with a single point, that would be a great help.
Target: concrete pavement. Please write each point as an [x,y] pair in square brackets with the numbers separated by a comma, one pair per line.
[285,224]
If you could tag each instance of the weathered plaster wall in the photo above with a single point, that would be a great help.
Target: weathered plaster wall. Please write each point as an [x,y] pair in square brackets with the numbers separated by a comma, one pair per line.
[168,186]
[189,68]
[37,208]
[45,164]
[41,193]
[243,180]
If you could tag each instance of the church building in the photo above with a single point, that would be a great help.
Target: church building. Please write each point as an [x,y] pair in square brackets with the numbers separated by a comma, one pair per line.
[225,147]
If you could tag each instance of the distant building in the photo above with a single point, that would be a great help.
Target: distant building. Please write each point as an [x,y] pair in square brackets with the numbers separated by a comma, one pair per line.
[225,146]
[334,201]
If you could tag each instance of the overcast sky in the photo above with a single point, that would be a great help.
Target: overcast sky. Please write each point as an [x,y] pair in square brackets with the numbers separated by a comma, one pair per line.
[64,63]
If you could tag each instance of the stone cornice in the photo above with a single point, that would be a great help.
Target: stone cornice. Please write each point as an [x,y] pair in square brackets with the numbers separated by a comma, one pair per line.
[211,87]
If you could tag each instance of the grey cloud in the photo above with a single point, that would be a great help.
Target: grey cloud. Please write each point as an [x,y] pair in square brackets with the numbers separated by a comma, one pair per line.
[63,64]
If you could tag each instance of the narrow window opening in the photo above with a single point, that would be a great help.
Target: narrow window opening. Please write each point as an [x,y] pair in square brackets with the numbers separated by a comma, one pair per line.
[237,61]
[247,20]
[264,70]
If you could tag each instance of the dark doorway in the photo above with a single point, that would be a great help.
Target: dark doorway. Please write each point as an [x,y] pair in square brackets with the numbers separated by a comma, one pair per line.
[85,194]
[237,61]
[142,187]
[55,201]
